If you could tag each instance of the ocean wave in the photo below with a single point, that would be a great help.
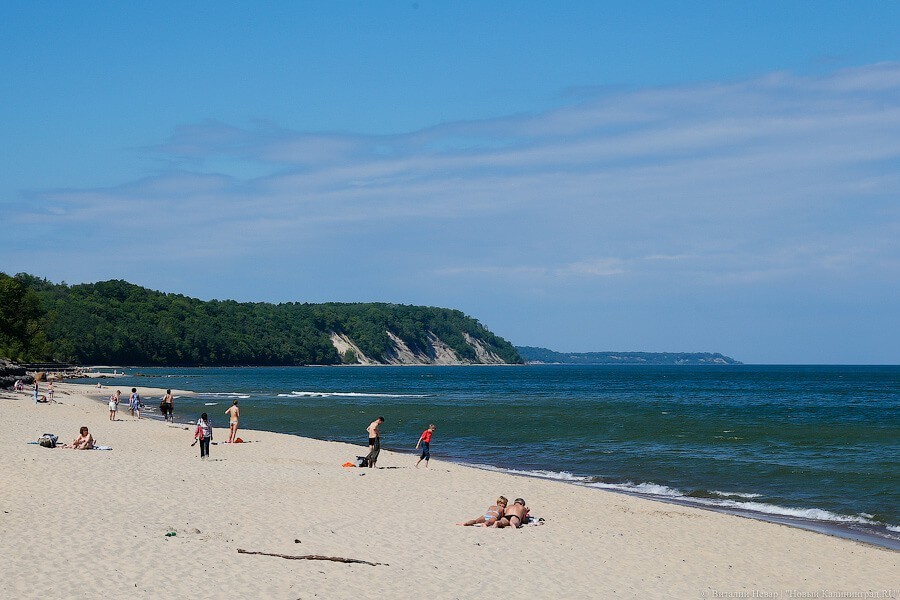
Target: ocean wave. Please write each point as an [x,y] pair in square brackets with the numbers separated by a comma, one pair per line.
[735,494]
[349,395]
[225,395]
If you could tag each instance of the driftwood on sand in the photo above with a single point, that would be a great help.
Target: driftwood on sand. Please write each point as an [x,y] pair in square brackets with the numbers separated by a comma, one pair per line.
[314,557]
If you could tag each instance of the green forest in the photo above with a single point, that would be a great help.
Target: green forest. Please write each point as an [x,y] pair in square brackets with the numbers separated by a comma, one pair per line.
[116,322]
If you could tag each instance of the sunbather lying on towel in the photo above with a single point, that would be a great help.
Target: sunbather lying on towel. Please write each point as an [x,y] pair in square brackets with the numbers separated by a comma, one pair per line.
[493,514]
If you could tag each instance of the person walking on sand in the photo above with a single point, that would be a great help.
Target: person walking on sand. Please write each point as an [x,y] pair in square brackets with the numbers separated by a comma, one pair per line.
[374,441]
[425,441]
[233,413]
[167,406]
[203,434]
[135,403]
[114,405]
[50,391]
[37,390]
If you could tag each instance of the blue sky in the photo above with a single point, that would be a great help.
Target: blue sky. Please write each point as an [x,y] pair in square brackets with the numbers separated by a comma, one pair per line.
[712,176]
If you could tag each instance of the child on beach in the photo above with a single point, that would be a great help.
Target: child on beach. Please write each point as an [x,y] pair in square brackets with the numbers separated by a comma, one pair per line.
[203,434]
[425,441]
[50,391]
[493,514]
[114,405]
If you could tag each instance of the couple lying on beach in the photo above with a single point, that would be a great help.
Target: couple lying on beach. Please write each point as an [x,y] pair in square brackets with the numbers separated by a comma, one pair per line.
[502,515]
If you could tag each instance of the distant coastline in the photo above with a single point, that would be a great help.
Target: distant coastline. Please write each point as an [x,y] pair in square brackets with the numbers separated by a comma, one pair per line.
[536,355]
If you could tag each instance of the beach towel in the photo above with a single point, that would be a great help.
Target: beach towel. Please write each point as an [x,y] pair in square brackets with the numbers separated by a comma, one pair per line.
[348,464]
[102,448]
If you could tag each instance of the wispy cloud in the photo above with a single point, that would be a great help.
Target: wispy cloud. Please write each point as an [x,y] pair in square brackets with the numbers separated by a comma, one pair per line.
[720,182]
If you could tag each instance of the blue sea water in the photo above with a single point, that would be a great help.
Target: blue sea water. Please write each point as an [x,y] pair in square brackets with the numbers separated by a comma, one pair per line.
[815,443]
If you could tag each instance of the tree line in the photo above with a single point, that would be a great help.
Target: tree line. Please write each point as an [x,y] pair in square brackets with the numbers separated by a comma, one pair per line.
[116,322]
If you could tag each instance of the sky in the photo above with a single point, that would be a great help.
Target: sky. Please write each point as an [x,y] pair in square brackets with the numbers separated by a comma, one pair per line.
[582,176]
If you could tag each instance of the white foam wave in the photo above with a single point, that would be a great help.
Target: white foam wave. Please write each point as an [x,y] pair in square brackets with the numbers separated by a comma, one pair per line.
[653,489]
[210,403]
[349,395]
[735,494]
[812,514]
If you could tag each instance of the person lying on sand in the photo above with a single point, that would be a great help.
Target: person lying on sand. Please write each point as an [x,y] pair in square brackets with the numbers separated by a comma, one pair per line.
[514,516]
[493,514]
[85,441]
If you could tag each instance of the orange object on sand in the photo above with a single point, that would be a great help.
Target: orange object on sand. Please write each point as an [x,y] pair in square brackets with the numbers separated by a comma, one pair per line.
[238,441]
[348,464]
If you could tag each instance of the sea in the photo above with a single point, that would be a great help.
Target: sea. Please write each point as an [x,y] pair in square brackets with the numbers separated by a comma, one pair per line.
[811,446]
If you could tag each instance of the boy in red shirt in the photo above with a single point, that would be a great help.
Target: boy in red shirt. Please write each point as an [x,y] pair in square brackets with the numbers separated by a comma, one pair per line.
[425,441]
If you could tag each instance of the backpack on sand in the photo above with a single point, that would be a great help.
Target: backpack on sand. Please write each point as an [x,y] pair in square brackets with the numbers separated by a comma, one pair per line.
[48,440]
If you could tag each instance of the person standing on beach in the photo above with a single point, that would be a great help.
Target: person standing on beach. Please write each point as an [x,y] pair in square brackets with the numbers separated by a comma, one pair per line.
[50,391]
[425,441]
[167,406]
[203,434]
[374,441]
[37,390]
[233,413]
[114,405]
[135,403]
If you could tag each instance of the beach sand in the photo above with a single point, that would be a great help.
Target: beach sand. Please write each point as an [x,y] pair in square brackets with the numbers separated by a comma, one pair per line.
[80,524]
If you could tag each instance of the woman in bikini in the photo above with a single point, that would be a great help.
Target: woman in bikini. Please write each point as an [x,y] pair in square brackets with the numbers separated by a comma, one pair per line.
[233,413]
[493,514]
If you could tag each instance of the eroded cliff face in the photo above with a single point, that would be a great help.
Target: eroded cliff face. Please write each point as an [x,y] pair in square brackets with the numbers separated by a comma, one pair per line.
[437,353]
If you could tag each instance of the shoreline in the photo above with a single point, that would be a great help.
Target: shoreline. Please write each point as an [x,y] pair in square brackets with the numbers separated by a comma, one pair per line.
[858,532]
[110,515]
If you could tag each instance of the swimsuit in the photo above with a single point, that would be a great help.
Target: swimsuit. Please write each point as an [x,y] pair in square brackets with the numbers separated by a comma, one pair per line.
[492,514]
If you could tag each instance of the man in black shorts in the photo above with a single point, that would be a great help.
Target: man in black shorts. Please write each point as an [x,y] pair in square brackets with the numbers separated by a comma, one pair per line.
[374,441]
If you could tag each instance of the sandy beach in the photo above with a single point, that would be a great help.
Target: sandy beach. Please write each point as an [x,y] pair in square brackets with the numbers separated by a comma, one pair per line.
[79,524]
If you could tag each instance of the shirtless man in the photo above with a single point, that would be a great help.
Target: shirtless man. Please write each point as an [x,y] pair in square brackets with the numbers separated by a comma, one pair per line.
[491,516]
[514,516]
[167,406]
[85,441]
[374,441]
[233,413]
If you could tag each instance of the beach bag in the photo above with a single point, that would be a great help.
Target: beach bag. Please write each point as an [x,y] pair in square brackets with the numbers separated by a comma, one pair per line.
[48,440]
